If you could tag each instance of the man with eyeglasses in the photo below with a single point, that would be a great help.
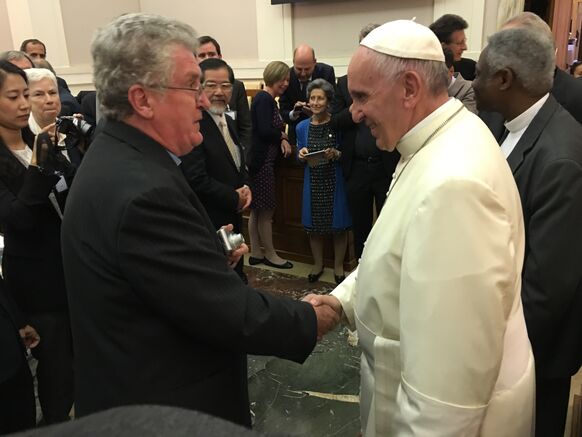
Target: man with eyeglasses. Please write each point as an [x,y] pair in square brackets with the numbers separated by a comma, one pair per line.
[157,313]
[216,168]
[238,105]
[450,30]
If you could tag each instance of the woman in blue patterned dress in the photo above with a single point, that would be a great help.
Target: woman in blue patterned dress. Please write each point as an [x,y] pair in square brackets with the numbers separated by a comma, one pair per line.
[325,209]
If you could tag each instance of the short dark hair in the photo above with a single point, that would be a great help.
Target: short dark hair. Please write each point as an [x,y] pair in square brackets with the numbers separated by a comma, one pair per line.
[205,39]
[216,64]
[449,57]
[7,68]
[444,27]
[31,41]
[574,66]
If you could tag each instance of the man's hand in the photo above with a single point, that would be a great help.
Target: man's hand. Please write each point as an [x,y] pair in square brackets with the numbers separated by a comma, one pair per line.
[302,107]
[285,148]
[29,336]
[235,255]
[245,197]
[328,310]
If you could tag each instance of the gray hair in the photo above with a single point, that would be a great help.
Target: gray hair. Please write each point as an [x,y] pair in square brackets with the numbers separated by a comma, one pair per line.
[531,21]
[528,53]
[14,55]
[435,73]
[366,30]
[38,74]
[324,85]
[135,49]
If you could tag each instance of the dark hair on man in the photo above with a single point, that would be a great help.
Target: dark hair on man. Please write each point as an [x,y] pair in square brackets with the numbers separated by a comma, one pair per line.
[449,57]
[574,65]
[31,41]
[444,27]
[216,64]
[205,39]
[7,68]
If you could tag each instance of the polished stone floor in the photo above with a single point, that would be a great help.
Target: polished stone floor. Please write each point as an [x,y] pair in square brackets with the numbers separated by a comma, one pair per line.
[318,398]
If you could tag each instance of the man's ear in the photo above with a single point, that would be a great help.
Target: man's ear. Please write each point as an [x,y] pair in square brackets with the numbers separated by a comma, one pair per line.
[505,78]
[141,101]
[412,86]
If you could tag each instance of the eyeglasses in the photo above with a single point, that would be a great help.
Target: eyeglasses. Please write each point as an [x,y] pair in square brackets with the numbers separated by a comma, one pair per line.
[213,86]
[196,90]
[459,43]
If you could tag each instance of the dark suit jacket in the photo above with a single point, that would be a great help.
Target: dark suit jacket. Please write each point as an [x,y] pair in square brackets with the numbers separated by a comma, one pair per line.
[12,347]
[158,316]
[31,262]
[547,165]
[466,67]
[355,133]
[212,173]
[240,104]
[294,94]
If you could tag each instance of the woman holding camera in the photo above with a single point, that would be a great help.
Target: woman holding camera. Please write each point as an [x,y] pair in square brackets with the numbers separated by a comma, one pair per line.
[45,108]
[325,210]
[268,141]
[32,194]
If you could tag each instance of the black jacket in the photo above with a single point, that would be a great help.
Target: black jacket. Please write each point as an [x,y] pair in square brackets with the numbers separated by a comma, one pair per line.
[547,166]
[158,316]
[213,175]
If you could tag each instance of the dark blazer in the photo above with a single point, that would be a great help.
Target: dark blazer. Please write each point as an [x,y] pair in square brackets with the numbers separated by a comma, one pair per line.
[355,133]
[294,94]
[11,345]
[240,104]
[158,316]
[547,165]
[213,175]
[264,132]
[31,262]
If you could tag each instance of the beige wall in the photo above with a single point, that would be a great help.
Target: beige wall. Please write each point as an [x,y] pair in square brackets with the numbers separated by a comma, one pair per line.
[333,30]
[233,23]
[82,18]
[6,42]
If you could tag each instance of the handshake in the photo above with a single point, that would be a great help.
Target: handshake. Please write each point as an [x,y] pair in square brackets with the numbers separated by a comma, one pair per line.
[328,310]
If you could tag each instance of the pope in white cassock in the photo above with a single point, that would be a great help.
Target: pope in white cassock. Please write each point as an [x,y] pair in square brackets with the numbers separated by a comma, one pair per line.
[436,296]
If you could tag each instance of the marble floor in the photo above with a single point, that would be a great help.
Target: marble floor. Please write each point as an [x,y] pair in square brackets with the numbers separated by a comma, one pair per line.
[318,398]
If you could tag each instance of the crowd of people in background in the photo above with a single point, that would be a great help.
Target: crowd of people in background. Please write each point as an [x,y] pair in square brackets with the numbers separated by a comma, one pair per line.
[460,180]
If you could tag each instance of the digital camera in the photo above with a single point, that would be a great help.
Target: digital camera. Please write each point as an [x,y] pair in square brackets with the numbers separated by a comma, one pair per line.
[230,241]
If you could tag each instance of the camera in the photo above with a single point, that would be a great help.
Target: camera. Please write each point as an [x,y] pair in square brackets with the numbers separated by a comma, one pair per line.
[67,124]
[230,241]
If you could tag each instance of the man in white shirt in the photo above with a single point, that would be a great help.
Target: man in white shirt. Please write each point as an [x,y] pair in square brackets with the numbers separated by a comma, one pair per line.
[436,296]
[543,147]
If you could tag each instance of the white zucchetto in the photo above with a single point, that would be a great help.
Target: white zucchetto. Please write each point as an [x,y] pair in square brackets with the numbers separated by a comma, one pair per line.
[405,39]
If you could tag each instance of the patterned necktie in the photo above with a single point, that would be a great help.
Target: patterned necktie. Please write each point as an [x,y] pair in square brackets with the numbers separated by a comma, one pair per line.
[229,142]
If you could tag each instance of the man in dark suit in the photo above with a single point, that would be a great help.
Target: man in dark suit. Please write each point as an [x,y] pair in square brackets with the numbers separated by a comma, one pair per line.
[158,315]
[450,30]
[238,105]
[215,169]
[17,404]
[293,103]
[544,150]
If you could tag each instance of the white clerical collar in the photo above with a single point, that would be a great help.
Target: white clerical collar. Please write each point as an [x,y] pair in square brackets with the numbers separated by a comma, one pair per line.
[414,138]
[522,121]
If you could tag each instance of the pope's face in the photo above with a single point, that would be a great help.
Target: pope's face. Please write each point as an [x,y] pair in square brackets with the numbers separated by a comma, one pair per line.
[377,101]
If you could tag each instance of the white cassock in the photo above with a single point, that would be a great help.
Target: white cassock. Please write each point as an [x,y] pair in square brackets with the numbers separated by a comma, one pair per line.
[436,297]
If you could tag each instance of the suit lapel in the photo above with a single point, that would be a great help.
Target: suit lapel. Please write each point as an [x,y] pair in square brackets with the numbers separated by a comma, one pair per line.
[215,139]
[531,134]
